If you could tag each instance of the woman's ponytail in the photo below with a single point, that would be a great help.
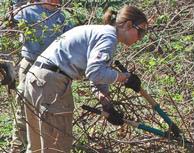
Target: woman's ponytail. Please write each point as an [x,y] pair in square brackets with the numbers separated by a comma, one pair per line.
[109,17]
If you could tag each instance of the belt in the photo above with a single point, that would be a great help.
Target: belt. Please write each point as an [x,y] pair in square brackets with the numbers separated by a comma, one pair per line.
[29,60]
[53,68]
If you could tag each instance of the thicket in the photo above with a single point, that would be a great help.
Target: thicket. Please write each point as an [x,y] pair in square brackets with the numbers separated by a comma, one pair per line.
[164,60]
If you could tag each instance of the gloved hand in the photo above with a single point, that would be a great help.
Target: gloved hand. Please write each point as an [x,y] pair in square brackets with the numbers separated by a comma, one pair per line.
[133,82]
[8,75]
[115,117]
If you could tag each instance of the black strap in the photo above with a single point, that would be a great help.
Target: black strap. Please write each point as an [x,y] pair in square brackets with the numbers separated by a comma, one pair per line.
[53,68]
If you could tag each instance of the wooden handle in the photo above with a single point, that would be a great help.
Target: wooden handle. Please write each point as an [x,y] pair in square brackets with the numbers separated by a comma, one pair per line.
[148,97]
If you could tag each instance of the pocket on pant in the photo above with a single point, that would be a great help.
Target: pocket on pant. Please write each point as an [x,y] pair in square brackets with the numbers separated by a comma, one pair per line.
[34,88]
[59,101]
[37,81]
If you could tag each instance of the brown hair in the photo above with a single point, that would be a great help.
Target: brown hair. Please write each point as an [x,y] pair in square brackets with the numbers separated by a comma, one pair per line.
[125,14]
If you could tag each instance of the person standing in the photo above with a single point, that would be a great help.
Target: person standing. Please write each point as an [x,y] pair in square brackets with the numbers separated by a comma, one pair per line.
[84,51]
[43,20]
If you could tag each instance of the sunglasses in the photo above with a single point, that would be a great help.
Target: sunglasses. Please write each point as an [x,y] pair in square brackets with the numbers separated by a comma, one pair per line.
[141,31]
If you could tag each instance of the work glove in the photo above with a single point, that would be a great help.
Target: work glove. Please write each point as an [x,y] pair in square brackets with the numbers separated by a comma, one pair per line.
[133,82]
[115,117]
[7,75]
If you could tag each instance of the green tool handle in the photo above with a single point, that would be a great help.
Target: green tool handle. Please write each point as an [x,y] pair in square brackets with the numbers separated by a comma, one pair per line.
[130,122]
[156,107]
[154,104]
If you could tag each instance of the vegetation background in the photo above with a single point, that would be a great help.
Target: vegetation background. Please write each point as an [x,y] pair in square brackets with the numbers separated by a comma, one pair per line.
[164,60]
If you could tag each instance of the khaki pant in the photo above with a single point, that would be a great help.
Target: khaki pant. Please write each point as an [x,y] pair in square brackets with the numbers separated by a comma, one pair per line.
[19,126]
[49,111]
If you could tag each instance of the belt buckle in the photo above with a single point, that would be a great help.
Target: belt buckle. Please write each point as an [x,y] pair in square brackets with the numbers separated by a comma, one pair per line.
[41,65]
[58,70]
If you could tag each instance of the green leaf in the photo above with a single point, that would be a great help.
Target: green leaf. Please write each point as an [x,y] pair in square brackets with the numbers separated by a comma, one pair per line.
[152,62]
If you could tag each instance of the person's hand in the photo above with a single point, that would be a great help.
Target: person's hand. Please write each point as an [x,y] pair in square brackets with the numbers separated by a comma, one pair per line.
[7,75]
[133,82]
[122,77]
[114,117]
[103,97]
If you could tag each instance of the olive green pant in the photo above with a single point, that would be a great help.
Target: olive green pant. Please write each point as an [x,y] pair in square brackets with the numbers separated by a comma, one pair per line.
[49,111]
[19,126]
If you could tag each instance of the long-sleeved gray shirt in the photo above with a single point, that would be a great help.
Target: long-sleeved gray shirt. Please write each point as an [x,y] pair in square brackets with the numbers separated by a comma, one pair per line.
[44,33]
[84,51]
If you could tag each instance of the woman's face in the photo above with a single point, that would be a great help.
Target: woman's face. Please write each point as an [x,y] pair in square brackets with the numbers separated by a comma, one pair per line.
[132,33]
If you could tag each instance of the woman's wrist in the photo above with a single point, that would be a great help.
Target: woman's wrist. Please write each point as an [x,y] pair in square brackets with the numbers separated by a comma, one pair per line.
[122,77]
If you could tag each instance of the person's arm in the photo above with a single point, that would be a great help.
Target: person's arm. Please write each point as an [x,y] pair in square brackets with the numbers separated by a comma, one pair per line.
[98,65]
[22,16]
[101,74]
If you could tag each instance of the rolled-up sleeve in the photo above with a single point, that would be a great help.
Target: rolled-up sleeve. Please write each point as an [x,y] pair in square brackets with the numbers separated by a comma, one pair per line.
[21,15]
[98,65]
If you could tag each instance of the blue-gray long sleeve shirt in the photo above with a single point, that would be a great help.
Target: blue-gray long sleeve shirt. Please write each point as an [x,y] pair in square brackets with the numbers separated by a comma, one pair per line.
[84,51]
